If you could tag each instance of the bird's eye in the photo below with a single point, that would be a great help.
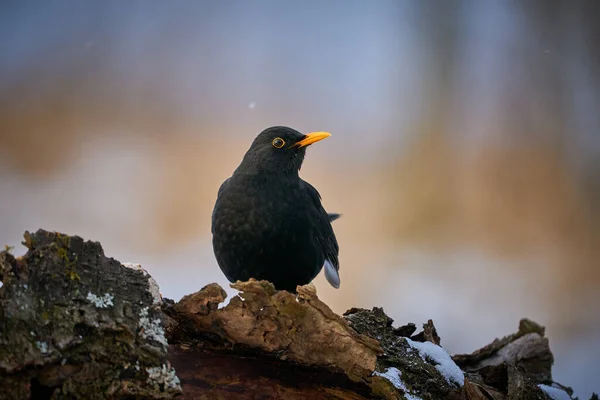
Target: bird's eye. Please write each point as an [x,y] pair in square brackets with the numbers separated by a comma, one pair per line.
[278,143]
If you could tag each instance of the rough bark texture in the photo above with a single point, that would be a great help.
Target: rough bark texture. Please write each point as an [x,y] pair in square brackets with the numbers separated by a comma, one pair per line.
[76,324]
[298,328]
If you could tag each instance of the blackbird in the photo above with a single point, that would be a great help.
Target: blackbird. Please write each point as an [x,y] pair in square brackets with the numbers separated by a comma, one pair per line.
[268,223]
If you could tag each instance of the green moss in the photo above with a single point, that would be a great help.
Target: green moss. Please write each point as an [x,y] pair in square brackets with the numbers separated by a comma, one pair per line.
[106,357]
[62,251]
[28,242]
[64,239]
[73,275]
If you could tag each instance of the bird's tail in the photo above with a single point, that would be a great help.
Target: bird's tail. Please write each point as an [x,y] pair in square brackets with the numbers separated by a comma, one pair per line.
[332,274]
[333,216]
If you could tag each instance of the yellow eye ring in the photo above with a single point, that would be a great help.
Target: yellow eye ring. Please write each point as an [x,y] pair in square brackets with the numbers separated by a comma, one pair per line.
[278,143]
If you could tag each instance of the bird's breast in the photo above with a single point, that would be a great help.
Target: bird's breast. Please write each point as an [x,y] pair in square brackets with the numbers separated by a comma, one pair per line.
[262,209]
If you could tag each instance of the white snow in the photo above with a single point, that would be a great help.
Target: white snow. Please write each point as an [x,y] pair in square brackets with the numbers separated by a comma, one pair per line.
[555,393]
[432,352]
[411,396]
[100,301]
[152,328]
[393,375]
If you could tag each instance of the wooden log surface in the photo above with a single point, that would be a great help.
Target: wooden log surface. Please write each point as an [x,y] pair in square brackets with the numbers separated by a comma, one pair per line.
[77,324]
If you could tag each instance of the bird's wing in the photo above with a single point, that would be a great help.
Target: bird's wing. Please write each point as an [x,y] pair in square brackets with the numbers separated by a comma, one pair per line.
[221,189]
[325,237]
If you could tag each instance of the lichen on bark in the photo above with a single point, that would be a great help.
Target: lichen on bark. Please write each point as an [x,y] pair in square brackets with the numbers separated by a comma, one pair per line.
[77,324]
[72,324]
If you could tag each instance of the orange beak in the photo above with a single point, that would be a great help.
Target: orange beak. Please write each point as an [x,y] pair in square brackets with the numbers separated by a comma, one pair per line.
[312,138]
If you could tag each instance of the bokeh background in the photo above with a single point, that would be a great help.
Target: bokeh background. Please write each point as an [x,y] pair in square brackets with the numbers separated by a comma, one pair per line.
[465,155]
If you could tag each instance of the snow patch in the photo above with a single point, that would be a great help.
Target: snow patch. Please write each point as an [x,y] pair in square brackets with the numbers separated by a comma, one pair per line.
[152,328]
[100,301]
[393,375]
[153,286]
[555,393]
[445,365]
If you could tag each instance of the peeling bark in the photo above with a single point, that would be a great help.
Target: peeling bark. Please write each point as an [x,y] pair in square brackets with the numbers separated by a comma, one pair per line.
[298,328]
[76,324]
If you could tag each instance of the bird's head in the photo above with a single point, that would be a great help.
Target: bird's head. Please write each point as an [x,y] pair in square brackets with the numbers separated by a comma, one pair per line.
[279,148]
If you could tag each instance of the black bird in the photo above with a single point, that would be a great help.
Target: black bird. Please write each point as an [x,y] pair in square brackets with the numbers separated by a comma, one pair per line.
[268,223]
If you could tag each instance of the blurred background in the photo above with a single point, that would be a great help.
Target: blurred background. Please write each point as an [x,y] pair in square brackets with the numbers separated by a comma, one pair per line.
[465,155]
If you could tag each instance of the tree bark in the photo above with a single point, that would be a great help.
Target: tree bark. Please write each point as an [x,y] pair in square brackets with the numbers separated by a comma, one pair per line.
[77,324]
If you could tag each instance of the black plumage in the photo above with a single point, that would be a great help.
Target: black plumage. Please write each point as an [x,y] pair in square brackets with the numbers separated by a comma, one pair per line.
[268,223]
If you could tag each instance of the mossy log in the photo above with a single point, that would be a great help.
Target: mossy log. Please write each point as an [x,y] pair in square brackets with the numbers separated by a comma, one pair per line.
[78,325]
